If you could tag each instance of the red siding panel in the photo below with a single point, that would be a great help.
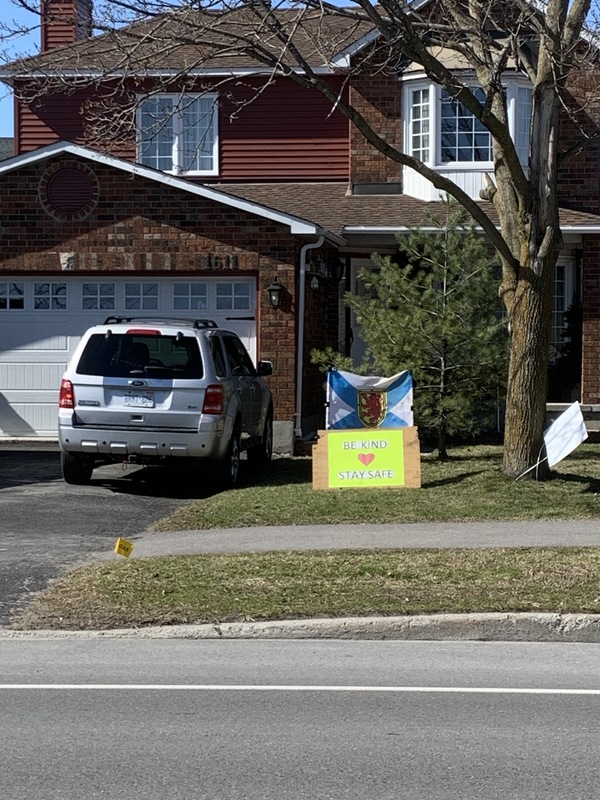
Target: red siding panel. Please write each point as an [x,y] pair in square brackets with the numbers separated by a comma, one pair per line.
[283,133]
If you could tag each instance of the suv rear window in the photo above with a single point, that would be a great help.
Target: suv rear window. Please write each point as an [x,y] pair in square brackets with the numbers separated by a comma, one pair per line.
[121,355]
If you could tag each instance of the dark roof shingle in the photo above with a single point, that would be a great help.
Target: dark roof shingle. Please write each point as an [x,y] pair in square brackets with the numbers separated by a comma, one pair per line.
[330,206]
[187,39]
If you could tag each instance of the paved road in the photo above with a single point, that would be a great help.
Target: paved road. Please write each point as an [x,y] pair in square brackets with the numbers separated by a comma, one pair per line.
[47,526]
[298,720]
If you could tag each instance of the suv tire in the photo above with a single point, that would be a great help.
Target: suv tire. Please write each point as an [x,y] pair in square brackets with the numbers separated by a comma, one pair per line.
[228,470]
[76,470]
[262,452]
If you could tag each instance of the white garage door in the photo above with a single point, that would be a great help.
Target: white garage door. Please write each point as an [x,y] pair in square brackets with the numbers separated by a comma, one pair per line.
[41,321]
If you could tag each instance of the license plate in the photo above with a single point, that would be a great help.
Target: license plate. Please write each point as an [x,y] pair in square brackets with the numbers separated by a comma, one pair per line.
[138,400]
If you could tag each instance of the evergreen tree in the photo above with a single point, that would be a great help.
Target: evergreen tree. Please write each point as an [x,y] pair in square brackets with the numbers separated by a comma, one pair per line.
[437,314]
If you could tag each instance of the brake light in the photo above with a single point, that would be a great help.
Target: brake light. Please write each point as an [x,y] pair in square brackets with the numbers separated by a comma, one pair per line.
[214,400]
[66,398]
[144,331]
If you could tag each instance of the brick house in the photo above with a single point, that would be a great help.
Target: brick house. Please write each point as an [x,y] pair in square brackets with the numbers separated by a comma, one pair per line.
[189,207]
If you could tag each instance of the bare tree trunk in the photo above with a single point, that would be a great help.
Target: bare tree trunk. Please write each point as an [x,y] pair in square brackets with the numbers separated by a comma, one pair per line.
[528,371]
[538,244]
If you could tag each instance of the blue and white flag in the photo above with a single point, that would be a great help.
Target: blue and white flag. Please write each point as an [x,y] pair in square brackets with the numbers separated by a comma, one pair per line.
[358,401]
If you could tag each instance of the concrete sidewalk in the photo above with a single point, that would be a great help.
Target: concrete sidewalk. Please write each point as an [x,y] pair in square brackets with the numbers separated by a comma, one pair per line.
[539,533]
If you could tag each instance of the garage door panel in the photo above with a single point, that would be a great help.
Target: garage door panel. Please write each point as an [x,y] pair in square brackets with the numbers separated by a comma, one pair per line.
[58,344]
[27,419]
[34,377]
[36,344]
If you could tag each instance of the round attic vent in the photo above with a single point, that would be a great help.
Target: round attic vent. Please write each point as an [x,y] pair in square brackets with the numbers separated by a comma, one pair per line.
[69,191]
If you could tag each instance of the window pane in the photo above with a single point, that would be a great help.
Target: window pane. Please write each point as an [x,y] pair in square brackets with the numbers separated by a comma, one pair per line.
[464,138]
[198,134]
[523,124]
[141,296]
[190,296]
[50,296]
[157,135]
[98,296]
[420,124]
[12,296]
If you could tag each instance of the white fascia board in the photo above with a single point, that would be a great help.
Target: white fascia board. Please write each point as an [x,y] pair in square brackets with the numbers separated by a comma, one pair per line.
[581,229]
[297,225]
[157,73]
[379,229]
[342,59]
[386,229]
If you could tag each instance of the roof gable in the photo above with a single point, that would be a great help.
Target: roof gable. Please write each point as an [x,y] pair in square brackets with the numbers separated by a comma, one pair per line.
[297,225]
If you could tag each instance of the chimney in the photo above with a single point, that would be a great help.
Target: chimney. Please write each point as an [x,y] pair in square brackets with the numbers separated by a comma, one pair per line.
[65,22]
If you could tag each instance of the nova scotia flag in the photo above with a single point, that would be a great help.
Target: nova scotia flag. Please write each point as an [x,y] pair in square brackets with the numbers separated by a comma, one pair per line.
[358,401]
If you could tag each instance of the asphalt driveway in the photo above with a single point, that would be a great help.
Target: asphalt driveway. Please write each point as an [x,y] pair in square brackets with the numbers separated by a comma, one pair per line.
[47,526]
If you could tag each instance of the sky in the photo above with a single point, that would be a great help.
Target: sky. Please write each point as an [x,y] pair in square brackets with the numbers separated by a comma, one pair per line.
[10,18]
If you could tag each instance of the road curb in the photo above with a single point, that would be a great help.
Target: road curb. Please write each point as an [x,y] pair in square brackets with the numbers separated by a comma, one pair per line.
[506,627]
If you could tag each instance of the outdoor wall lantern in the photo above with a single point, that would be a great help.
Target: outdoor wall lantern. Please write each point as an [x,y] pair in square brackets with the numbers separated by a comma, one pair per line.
[275,291]
[336,269]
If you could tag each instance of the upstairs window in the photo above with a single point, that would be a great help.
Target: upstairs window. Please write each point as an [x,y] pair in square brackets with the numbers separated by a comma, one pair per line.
[179,133]
[442,131]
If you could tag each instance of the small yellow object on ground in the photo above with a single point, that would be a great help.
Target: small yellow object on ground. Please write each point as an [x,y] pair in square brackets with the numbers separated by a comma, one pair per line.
[123,547]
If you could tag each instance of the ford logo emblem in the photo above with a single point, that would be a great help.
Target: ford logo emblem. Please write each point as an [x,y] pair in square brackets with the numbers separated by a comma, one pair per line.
[137,383]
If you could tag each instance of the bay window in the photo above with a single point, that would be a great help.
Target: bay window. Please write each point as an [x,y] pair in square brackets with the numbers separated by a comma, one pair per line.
[437,117]
[442,133]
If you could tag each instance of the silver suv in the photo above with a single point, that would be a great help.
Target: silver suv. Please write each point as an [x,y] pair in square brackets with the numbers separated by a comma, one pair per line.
[159,390]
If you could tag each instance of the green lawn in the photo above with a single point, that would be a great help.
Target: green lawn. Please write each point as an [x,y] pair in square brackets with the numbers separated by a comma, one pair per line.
[261,586]
[469,486]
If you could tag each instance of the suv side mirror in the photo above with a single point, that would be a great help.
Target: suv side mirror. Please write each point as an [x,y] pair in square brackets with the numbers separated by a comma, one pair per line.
[265,368]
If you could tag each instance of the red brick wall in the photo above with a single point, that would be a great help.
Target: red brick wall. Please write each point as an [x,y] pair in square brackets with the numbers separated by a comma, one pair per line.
[140,226]
[590,377]
[579,178]
[376,93]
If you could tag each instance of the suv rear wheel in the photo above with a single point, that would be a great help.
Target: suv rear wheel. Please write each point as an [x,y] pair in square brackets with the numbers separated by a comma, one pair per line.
[76,470]
[229,467]
[261,453]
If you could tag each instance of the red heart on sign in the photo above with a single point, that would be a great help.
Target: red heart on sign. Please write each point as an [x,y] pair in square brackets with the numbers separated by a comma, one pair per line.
[366,458]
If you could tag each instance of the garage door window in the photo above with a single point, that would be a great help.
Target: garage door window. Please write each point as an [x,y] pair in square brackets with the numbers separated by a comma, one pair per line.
[190,296]
[97,296]
[50,296]
[12,295]
[233,296]
[142,296]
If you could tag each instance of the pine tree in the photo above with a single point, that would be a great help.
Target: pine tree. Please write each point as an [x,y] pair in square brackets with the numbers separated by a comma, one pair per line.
[438,314]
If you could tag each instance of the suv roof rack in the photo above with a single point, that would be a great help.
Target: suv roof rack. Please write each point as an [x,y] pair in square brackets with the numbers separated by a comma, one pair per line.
[192,323]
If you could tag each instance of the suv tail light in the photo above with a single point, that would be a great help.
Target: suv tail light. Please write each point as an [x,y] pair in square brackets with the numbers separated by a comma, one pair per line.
[66,398]
[214,399]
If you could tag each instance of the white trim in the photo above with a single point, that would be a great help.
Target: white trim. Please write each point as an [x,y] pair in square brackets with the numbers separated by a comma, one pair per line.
[300,339]
[384,229]
[342,59]
[217,72]
[297,225]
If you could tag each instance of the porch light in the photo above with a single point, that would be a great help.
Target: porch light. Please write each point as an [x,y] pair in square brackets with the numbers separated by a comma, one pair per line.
[336,269]
[275,291]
